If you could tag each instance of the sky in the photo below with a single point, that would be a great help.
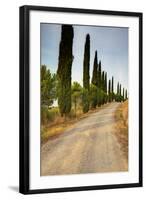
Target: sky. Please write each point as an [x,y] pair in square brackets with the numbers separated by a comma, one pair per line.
[111,44]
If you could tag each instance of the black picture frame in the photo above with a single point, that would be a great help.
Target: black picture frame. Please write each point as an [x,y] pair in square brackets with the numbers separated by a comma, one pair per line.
[25,105]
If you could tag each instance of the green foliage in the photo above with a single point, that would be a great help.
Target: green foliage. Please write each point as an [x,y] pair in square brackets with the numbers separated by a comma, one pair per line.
[102,80]
[105,82]
[120,90]
[101,86]
[86,63]
[109,91]
[86,76]
[105,87]
[44,111]
[48,87]
[85,100]
[112,84]
[112,92]
[118,98]
[76,94]
[64,69]
[95,66]
[98,97]
[126,95]
[123,94]
[99,75]
[93,96]
[70,97]
[48,114]
[101,97]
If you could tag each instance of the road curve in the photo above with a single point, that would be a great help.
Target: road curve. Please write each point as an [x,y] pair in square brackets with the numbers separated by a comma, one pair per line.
[90,146]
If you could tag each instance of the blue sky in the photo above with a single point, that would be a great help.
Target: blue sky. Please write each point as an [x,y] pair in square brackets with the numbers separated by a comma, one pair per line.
[110,42]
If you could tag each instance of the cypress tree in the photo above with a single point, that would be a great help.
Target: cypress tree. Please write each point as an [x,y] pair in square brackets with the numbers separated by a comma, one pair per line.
[112,88]
[86,63]
[109,90]
[126,97]
[99,84]
[120,93]
[105,87]
[95,66]
[118,88]
[117,98]
[123,94]
[93,96]
[102,81]
[99,75]
[102,87]
[86,76]
[64,69]
[93,86]
[105,83]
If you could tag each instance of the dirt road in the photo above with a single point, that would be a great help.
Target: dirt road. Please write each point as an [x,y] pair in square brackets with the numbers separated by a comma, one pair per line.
[89,146]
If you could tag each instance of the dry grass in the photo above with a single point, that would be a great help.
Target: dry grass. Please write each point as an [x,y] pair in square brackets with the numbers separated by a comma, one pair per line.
[61,124]
[54,130]
[121,117]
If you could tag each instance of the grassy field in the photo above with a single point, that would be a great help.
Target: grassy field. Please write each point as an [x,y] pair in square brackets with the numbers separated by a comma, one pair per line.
[121,117]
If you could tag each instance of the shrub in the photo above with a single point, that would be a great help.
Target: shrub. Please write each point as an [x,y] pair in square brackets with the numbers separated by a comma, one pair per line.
[85,100]
[93,96]
[48,114]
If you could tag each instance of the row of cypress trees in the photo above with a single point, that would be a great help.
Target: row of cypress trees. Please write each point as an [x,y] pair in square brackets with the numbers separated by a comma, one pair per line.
[96,93]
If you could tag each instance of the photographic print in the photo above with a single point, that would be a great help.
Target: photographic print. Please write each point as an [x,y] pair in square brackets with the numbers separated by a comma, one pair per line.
[80,99]
[84,99]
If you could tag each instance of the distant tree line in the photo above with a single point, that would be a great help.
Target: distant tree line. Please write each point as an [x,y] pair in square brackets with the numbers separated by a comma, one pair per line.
[95,92]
